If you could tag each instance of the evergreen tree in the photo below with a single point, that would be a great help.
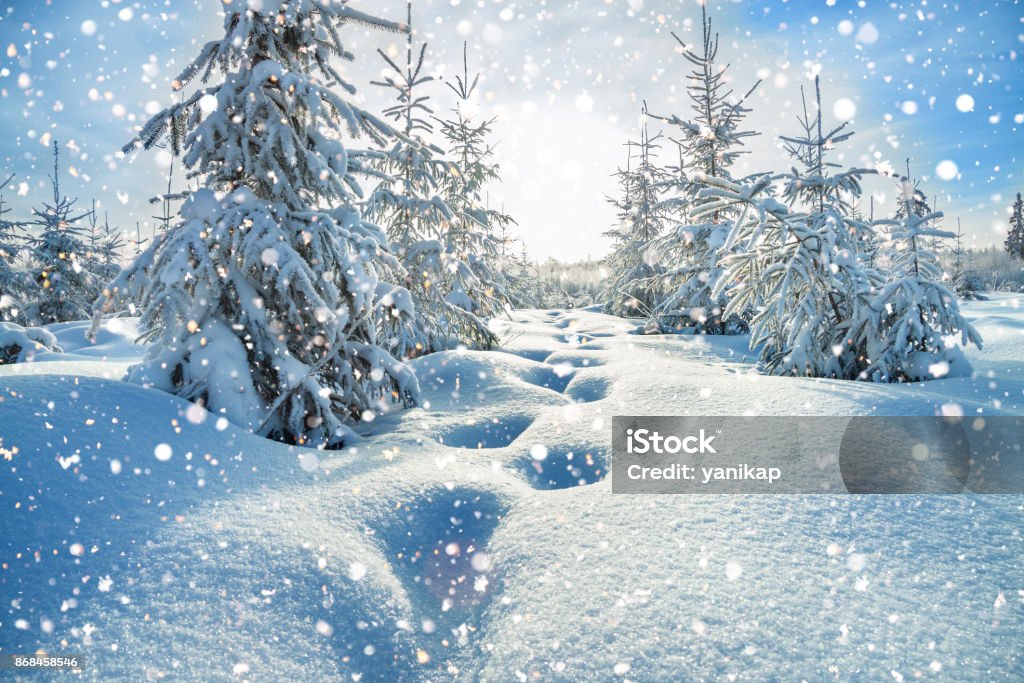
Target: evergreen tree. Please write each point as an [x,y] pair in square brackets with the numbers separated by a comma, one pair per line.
[917,204]
[764,264]
[965,283]
[676,185]
[536,291]
[59,259]
[871,241]
[471,236]
[634,286]
[709,143]
[518,281]
[167,198]
[1015,237]
[261,304]
[103,256]
[14,282]
[418,221]
[112,244]
[820,310]
[831,250]
[798,266]
[902,333]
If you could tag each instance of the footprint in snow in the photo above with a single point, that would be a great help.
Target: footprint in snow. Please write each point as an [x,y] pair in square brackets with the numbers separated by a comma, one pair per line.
[553,376]
[588,389]
[487,433]
[437,543]
[562,469]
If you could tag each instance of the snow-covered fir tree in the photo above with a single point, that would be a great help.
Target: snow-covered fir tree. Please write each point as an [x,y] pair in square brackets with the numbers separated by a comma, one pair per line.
[473,235]
[58,258]
[1015,236]
[871,242]
[14,281]
[112,245]
[709,142]
[103,256]
[409,205]
[634,283]
[904,333]
[676,186]
[513,263]
[966,284]
[798,266]
[821,311]
[917,203]
[260,303]
[821,195]
[781,267]
[167,200]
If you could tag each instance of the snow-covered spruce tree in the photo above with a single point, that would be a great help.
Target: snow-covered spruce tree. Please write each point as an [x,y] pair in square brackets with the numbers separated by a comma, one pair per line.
[447,295]
[614,303]
[103,256]
[676,186]
[473,234]
[1015,236]
[872,241]
[633,287]
[112,244]
[513,264]
[834,249]
[903,333]
[920,205]
[14,281]
[916,201]
[763,264]
[58,258]
[798,267]
[966,284]
[262,304]
[709,143]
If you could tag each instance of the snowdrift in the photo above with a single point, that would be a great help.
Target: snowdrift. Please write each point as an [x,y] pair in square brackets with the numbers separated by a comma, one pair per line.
[476,537]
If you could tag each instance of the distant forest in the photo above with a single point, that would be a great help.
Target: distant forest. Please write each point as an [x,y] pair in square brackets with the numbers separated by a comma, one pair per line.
[579,283]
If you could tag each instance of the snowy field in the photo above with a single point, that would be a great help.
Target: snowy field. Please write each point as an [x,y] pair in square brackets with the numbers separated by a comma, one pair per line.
[475,537]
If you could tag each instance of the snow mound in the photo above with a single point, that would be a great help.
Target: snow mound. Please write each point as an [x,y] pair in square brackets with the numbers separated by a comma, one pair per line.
[476,536]
[22,344]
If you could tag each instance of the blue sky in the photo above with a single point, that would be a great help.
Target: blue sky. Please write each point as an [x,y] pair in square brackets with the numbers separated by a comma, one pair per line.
[566,80]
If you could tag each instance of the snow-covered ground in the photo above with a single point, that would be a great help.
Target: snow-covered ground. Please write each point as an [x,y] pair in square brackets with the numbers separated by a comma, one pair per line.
[476,538]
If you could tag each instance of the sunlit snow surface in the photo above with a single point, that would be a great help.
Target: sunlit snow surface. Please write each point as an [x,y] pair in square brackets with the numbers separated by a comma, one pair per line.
[477,539]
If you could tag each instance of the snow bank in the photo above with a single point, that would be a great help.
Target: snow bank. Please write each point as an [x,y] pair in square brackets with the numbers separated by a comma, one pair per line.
[476,537]
[22,344]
